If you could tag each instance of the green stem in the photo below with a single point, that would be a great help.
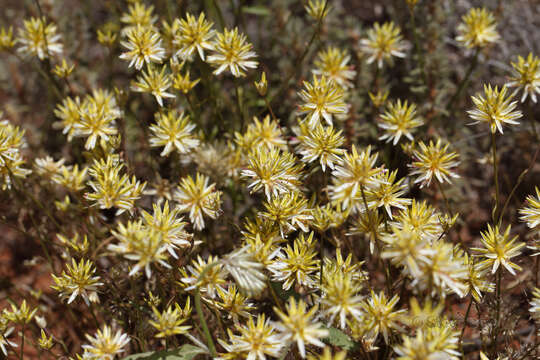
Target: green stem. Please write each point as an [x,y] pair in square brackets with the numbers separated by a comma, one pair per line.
[274,295]
[464,82]
[92,312]
[417,48]
[212,6]
[465,323]
[22,342]
[269,108]
[498,310]
[495,173]
[537,265]
[239,104]
[446,203]
[200,313]
[377,245]
[300,59]
[22,190]
[533,127]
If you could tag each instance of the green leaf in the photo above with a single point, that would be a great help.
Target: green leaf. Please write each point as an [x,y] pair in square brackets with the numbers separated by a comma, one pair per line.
[185,352]
[337,337]
[256,10]
[283,294]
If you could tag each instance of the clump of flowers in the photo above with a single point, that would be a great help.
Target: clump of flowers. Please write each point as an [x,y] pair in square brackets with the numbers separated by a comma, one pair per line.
[280,213]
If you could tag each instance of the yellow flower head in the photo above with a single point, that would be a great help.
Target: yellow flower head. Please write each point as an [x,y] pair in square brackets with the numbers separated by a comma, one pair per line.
[296,264]
[39,39]
[233,52]
[110,188]
[11,160]
[173,131]
[104,344]
[341,298]
[194,34]
[352,176]
[290,211]
[383,42]
[6,39]
[321,143]
[526,76]
[198,199]
[266,133]
[262,85]
[333,63]
[297,325]
[273,171]
[154,82]
[495,108]
[184,83]
[79,280]
[381,316]
[499,249]
[255,340]
[138,14]
[477,29]
[399,119]
[531,213]
[143,45]
[318,9]
[433,160]
[169,322]
[208,283]
[63,70]
[322,98]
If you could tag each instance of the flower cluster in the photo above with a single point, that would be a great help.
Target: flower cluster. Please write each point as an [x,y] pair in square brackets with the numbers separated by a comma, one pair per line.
[252,181]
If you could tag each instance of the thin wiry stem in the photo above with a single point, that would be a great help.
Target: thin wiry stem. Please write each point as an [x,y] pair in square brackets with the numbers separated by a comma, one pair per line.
[300,59]
[274,295]
[465,323]
[388,281]
[518,182]
[446,203]
[533,126]
[498,310]
[417,47]
[239,105]
[200,313]
[495,173]
[463,82]
[213,6]
[21,355]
